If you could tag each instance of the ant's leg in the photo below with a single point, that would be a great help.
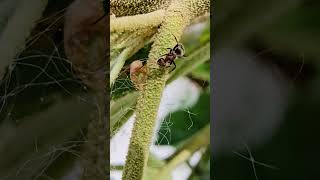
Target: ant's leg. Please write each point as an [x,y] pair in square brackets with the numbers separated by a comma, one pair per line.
[161,62]
[174,66]
[170,51]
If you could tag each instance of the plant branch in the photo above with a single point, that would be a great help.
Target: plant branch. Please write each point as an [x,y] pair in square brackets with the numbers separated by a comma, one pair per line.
[136,22]
[203,166]
[178,16]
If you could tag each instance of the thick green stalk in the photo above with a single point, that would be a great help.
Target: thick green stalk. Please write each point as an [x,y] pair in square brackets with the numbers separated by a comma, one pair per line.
[178,16]
[146,113]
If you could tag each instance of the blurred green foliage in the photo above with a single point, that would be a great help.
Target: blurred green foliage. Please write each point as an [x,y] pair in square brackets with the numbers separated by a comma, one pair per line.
[292,39]
[184,123]
[44,108]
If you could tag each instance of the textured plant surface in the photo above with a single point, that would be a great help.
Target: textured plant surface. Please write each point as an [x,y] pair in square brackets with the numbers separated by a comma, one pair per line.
[159,24]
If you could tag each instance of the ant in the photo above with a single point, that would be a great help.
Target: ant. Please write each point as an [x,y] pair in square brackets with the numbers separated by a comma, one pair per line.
[138,71]
[176,52]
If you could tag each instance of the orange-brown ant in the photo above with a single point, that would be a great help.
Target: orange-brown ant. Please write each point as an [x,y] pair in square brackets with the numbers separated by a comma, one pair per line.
[176,52]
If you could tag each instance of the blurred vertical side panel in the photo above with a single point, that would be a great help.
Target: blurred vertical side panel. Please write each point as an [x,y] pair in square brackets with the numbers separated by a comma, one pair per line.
[266,61]
[54,102]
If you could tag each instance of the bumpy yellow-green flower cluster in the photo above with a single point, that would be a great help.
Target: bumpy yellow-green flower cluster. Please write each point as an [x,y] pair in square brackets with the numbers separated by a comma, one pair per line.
[133,7]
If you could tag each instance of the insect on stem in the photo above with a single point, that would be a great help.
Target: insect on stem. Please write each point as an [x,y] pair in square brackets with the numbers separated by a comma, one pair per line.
[176,52]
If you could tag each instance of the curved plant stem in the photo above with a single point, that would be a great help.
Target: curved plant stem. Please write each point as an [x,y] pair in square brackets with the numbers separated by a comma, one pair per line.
[146,112]
[134,23]
[178,16]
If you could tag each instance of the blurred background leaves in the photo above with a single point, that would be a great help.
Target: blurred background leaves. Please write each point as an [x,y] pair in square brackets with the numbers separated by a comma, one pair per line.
[44,107]
[267,60]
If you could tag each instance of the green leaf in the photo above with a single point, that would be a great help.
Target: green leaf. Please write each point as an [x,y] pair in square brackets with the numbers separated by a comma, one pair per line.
[185,123]
[154,166]
[202,72]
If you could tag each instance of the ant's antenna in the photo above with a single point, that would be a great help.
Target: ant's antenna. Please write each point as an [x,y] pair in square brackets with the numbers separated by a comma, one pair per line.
[175,37]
